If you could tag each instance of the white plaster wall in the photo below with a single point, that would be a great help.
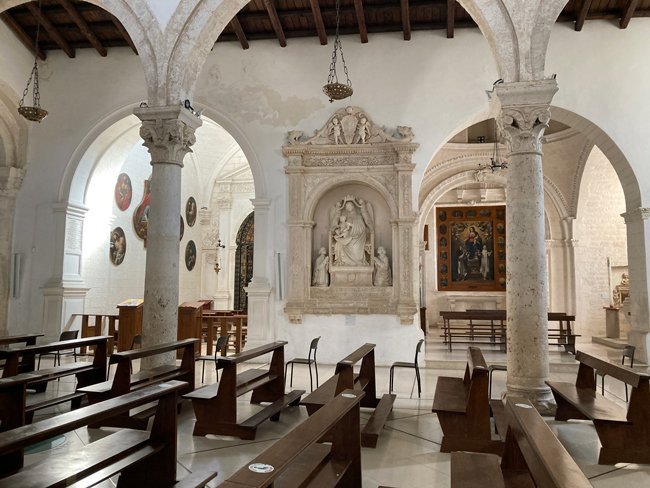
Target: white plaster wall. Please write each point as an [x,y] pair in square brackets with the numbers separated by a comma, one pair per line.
[16,63]
[433,84]
[600,232]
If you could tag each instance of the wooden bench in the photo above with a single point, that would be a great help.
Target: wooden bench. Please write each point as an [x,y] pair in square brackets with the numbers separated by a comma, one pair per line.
[27,339]
[533,456]
[463,408]
[17,360]
[124,381]
[97,327]
[489,327]
[624,433]
[298,459]
[215,406]
[142,458]
[344,378]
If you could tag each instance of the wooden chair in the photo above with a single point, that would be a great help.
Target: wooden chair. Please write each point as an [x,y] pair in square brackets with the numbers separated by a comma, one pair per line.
[67,335]
[413,365]
[308,361]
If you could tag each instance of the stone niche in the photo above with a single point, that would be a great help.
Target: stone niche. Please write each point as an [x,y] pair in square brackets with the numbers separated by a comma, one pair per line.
[351,223]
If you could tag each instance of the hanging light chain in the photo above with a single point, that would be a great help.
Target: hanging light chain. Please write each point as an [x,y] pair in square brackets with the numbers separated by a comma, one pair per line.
[334,89]
[34,113]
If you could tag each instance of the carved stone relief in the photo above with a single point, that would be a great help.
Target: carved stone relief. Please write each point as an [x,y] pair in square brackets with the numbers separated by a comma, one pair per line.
[348,185]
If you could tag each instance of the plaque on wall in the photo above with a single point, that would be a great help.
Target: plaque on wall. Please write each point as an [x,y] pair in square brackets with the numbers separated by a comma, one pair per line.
[123,192]
[190,255]
[182,228]
[117,248]
[190,211]
[471,245]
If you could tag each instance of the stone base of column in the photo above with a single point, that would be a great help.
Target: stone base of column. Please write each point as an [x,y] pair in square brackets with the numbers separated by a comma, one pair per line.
[541,398]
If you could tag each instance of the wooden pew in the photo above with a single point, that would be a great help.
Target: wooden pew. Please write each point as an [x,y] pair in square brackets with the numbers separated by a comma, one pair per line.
[97,328]
[124,381]
[142,458]
[624,433]
[299,460]
[215,406]
[533,456]
[489,327]
[28,339]
[344,378]
[463,408]
[86,373]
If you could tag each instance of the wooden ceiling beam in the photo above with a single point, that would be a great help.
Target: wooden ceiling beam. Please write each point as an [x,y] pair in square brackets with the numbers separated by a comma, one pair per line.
[118,25]
[406,19]
[451,17]
[361,21]
[50,28]
[318,20]
[23,37]
[83,27]
[275,22]
[582,15]
[239,32]
[628,12]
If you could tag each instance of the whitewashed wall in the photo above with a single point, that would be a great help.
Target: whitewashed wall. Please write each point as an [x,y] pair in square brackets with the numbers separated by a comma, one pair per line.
[431,83]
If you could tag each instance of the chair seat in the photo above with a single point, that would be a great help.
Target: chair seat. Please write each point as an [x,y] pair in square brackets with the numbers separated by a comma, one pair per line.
[207,358]
[301,361]
[401,364]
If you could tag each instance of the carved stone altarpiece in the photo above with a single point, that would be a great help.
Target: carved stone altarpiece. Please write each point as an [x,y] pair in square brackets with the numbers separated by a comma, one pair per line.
[350,195]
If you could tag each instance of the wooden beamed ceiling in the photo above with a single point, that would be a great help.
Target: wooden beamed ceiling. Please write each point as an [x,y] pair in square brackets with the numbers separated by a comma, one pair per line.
[69,25]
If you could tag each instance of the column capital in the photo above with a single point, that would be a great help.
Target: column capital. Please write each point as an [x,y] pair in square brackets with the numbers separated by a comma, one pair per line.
[636,215]
[261,203]
[168,132]
[524,113]
[11,179]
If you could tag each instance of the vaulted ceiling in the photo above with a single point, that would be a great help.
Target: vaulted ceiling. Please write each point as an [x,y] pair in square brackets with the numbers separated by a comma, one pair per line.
[69,25]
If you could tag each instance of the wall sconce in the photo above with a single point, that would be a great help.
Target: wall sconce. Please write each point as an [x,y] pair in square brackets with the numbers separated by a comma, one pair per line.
[217,268]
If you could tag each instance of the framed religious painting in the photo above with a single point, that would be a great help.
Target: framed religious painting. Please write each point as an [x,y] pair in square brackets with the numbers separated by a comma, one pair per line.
[123,192]
[190,211]
[471,248]
[190,255]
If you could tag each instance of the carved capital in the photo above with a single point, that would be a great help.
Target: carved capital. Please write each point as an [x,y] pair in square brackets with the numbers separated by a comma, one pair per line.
[636,215]
[524,113]
[11,179]
[168,132]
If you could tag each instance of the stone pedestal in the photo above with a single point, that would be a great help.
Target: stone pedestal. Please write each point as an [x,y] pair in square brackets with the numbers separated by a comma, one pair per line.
[612,323]
[524,116]
[351,276]
[168,133]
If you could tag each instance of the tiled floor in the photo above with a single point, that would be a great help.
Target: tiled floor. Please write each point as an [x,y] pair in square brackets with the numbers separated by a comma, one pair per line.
[407,454]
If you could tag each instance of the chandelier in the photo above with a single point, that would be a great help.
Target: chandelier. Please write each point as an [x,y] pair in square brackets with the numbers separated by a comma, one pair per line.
[34,113]
[495,160]
[335,90]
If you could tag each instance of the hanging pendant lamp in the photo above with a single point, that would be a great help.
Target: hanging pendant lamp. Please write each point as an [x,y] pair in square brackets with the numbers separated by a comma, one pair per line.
[34,113]
[335,90]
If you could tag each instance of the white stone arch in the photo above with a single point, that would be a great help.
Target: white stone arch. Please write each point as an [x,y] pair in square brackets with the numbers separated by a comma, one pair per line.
[197,33]
[143,28]
[257,169]
[517,32]
[609,148]
[13,130]
[318,192]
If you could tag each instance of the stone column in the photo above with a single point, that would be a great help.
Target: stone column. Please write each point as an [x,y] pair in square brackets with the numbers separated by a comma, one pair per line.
[259,288]
[524,115]
[637,307]
[11,179]
[168,133]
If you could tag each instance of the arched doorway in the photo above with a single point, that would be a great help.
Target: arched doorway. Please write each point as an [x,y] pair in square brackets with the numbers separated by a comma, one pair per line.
[244,261]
